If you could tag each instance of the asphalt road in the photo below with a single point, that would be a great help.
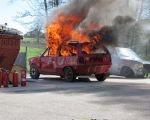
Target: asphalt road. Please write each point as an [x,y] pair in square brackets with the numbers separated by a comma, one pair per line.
[54,99]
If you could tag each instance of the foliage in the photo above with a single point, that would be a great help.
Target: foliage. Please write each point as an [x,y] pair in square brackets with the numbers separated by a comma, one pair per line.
[36,15]
[145,14]
[33,33]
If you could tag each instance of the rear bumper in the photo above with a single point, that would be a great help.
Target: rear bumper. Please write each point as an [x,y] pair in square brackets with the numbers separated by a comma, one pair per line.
[88,70]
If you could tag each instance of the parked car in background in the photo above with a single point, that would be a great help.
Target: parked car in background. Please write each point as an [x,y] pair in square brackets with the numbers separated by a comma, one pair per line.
[125,62]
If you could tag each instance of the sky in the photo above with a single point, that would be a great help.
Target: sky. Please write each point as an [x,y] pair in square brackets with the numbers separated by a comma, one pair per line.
[8,11]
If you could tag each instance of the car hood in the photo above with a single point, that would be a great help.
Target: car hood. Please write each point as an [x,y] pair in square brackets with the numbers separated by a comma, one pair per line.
[146,62]
[143,61]
[137,60]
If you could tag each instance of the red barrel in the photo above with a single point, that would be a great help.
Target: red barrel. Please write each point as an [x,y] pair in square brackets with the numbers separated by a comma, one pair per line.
[15,79]
[23,78]
[5,79]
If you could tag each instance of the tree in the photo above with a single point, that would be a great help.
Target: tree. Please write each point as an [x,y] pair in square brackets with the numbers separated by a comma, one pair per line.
[36,10]
[144,15]
[145,10]
[140,9]
[46,9]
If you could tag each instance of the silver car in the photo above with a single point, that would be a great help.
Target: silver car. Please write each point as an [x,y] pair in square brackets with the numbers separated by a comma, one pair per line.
[125,62]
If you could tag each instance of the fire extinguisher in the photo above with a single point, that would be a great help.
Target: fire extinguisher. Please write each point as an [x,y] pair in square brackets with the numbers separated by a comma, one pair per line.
[15,79]
[1,77]
[5,79]
[23,78]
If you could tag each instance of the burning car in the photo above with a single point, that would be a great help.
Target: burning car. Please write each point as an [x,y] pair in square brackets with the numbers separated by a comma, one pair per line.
[125,62]
[71,63]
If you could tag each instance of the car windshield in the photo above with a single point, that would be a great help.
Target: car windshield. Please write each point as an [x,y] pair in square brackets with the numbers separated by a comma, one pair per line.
[127,54]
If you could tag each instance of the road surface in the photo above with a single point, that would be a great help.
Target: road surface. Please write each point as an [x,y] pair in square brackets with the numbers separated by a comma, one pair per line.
[54,99]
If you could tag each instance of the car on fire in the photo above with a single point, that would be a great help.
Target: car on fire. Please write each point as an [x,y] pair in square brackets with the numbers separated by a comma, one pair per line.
[69,67]
[125,62]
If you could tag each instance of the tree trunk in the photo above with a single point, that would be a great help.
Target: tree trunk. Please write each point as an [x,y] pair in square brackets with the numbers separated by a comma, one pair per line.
[56,2]
[140,10]
[46,9]
[146,52]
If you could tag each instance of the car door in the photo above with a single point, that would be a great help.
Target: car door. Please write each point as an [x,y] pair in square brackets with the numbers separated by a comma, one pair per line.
[115,69]
[47,62]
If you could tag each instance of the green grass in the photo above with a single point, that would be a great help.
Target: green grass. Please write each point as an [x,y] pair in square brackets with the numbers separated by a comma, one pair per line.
[25,39]
[148,76]
[32,52]
[28,39]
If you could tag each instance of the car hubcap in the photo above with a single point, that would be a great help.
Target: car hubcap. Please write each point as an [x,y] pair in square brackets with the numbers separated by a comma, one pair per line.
[33,71]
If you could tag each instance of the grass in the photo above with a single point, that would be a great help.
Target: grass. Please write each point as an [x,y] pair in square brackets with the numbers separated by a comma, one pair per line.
[31,52]
[25,39]
[31,39]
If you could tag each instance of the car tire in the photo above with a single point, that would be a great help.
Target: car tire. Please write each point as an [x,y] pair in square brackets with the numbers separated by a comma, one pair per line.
[101,77]
[127,72]
[69,74]
[34,72]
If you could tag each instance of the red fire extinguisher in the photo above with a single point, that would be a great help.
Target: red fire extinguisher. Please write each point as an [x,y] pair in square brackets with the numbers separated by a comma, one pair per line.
[15,79]
[1,77]
[5,79]
[23,78]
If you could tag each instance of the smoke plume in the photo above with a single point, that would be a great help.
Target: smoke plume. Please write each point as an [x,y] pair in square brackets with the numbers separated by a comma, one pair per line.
[110,18]
[110,35]
[100,11]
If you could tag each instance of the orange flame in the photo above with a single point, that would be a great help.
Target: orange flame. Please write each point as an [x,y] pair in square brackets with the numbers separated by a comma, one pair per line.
[63,30]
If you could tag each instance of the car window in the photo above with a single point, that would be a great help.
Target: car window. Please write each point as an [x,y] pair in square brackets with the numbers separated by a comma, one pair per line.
[127,53]
[47,53]
[69,51]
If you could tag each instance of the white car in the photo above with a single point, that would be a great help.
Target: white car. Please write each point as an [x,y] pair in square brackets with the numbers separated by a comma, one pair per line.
[125,62]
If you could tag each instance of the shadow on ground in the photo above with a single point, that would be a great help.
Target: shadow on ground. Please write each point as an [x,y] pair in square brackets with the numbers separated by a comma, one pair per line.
[133,97]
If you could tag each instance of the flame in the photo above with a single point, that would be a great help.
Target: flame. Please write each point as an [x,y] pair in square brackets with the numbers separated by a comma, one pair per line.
[68,51]
[87,49]
[64,29]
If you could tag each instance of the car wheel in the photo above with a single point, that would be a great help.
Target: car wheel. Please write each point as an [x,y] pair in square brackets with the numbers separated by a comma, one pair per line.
[69,74]
[101,77]
[127,72]
[34,72]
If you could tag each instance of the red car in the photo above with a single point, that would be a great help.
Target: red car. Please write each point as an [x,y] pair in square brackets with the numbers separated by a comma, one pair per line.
[69,67]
